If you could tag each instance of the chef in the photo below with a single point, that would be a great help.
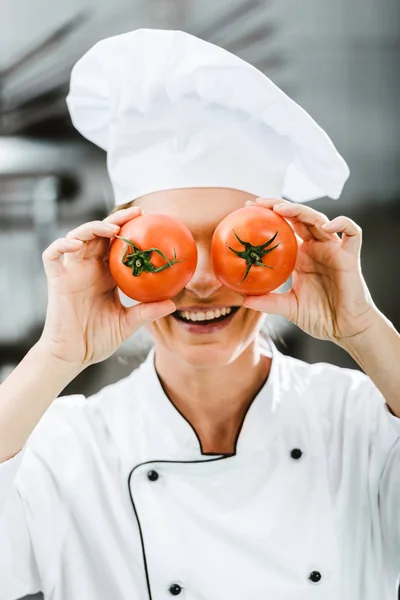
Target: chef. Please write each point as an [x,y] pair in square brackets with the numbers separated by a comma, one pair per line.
[220,469]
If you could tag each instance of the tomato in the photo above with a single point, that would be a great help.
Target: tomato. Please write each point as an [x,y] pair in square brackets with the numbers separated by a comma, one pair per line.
[253,250]
[153,257]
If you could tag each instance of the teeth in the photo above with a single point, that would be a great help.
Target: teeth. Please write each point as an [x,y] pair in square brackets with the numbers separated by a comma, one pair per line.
[204,316]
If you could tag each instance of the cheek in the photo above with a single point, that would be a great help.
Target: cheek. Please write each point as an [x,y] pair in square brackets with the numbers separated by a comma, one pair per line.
[250,323]
[162,334]
[256,318]
[159,327]
[251,316]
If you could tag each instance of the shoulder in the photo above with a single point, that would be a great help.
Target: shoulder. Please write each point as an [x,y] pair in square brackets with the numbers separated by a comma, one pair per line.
[328,379]
[76,425]
[342,396]
[345,409]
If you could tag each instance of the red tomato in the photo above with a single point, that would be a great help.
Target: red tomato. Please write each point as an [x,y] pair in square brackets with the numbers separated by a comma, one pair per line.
[253,250]
[155,259]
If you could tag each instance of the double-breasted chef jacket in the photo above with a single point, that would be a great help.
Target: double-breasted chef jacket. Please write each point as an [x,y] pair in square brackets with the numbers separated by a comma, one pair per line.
[111,498]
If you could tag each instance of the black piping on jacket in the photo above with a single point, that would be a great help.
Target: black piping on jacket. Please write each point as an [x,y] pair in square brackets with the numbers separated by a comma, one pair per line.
[219,457]
[150,462]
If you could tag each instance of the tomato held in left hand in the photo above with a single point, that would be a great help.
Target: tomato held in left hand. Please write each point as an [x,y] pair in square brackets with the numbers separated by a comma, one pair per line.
[253,250]
[153,257]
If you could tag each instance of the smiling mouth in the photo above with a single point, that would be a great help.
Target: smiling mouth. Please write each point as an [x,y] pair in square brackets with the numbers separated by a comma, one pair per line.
[180,317]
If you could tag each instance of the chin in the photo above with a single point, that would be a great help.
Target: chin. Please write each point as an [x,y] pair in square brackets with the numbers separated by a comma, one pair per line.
[209,356]
[205,351]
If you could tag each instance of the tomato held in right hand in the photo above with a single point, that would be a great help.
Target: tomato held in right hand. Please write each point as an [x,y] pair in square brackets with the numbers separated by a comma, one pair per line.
[253,250]
[153,257]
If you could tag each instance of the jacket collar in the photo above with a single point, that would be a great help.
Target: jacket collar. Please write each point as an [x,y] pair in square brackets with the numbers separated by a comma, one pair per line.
[174,436]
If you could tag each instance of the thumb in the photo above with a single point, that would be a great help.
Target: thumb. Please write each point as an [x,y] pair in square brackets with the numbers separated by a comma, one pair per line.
[147,312]
[273,304]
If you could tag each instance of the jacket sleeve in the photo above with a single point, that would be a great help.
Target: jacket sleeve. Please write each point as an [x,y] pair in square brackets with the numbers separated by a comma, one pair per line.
[389,486]
[362,439]
[18,570]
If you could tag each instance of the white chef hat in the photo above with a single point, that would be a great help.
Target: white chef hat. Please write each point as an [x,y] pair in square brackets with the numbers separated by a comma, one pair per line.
[173,111]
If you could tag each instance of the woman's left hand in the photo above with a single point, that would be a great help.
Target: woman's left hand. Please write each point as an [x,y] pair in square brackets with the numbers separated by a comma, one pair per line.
[329,298]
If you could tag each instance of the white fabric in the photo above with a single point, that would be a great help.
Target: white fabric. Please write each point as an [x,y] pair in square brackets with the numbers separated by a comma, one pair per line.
[174,111]
[252,525]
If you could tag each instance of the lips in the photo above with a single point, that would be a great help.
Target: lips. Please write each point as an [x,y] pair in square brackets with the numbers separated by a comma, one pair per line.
[206,327]
[226,312]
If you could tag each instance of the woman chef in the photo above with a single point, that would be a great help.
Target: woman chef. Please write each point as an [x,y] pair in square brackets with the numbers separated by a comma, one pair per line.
[220,469]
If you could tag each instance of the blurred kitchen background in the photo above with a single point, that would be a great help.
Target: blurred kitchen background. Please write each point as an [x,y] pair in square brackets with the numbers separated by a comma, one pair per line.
[339,60]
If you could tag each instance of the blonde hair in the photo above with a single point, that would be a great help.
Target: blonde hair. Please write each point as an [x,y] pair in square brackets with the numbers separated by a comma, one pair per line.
[121,207]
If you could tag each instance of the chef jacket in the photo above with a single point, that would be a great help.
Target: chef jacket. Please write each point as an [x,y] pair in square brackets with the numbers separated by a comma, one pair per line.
[112,498]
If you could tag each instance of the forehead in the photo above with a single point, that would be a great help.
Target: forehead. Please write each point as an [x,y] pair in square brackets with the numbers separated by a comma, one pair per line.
[198,208]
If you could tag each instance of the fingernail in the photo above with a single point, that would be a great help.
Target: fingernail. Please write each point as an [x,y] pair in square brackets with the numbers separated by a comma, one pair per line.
[113,227]
[280,206]
[326,225]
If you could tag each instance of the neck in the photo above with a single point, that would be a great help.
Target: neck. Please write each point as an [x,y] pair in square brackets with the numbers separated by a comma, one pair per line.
[214,400]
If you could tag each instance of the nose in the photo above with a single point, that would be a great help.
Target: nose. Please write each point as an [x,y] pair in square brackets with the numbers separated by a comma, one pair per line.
[204,283]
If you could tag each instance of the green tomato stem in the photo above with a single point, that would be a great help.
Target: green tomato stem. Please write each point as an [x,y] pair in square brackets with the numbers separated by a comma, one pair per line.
[253,255]
[139,260]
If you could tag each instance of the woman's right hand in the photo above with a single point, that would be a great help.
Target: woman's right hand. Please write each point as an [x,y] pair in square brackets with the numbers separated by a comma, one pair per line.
[85,321]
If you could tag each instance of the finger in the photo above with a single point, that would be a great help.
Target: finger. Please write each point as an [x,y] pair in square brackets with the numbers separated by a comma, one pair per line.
[351,232]
[306,215]
[273,304]
[93,230]
[99,234]
[302,231]
[123,215]
[144,313]
[52,256]
[270,202]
